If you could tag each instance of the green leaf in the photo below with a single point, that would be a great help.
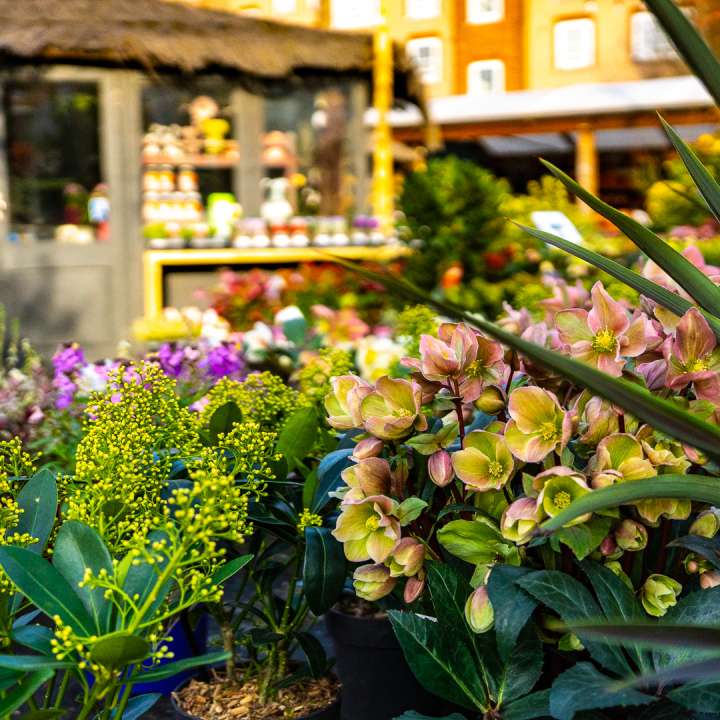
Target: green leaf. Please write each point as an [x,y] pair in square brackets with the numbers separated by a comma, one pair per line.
[704,181]
[295,330]
[119,650]
[23,691]
[228,569]
[35,637]
[45,714]
[223,420]
[77,548]
[38,500]
[30,663]
[708,548]
[699,488]
[298,436]
[410,510]
[583,687]
[524,665]
[512,605]
[475,541]
[691,279]
[323,569]
[329,479]
[439,659]
[701,608]
[572,601]
[690,44]
[654,635]
[162,672]
[583,539]
[138,706]
[700,697]
[315,654]
[46,588]
[670,300]
[536,705]
[412,715]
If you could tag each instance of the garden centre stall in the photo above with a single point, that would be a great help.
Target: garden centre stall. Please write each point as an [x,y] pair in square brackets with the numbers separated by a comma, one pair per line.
[134,125]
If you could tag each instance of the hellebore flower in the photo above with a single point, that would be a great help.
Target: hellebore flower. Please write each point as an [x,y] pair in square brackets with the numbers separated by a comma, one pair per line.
[343,402]
[479,611]
[368,477]
[622,455]
[520,520]
[692,356]
[706,524]
[563,296]
[599,419]
[538,426]
[414,588]
[392,410]
[560,487]
[605,335]
[367,529]
[491,401]
[407,558]
[372,582]
[440,468]
[367,448]
[631,535]
[485,462]
[658,594]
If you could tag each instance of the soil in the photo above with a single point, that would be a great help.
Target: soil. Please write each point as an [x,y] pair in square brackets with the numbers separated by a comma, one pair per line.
[219,700]
[357,607]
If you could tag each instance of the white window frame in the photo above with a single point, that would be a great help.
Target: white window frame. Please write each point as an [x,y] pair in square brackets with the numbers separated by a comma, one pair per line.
[498,84]
[422,9]
[643,47]
[284,7]
[476,14]
[430,75]
[563,57]
[354,14]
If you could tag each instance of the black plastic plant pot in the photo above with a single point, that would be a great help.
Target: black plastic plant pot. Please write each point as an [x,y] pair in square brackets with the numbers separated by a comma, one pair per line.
[377,683]
[331,712]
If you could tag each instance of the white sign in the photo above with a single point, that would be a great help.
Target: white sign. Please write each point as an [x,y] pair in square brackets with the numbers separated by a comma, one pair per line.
[557,223]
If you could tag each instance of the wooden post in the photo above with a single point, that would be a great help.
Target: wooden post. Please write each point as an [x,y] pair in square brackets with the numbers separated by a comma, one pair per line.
[383,181]
[586,161]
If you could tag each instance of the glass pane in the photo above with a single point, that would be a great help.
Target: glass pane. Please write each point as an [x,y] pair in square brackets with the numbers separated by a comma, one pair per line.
[55,172]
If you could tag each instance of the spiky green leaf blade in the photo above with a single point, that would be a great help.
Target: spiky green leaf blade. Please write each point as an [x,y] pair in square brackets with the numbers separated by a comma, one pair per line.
[691,279]
[699,488]
[669,300]
[690,44]
[704,181]
[653,635]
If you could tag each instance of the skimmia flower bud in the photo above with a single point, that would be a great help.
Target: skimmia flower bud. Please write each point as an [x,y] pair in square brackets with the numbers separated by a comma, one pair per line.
[479,611]
[372,582]
[659,593]
[440,468]
[631,535]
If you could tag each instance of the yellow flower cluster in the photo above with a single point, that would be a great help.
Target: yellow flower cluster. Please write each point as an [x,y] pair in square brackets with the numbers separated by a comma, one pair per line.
[308,519]
[262,397]
[411,323]
[314,379]
[14,462]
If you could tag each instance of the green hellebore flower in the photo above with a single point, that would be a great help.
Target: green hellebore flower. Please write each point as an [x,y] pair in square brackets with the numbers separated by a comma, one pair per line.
[368,529]
[659,593]
[485,462]
[479,611]
[560,490]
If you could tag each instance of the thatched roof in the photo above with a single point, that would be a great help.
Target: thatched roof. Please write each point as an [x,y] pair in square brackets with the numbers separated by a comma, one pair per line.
[166,36]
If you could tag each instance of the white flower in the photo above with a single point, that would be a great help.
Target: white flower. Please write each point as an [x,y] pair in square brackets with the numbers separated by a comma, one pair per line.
[291,312]
[375,356]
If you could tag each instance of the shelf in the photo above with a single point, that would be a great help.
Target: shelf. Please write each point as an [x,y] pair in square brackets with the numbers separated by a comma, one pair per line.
[210,162]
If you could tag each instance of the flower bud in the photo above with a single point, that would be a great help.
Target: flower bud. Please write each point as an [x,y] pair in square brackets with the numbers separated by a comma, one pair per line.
[407,558]
[491,400]
[570,642]
[520,520]
[440,468]
[608,546]
[706,524]
[369,447]
[372,582]
[479,611]
[710,579]
[631,535]
[695,564]
[616,568]
[413,589]
[659,593]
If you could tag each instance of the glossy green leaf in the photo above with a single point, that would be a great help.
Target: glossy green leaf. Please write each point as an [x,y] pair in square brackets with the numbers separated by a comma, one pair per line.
[708,548]
[702,697]
[439,660]
[701,608]
[228,569]
[584,687]
[324,569]
[22,691]
[329,476]
[530,707]
[705,182]
[315,654]
[654,635]
[223,420]
[77,548]
[475,541]
[699,488]
[691,279]
[119,650]
[669,300]
[162,672]
[46,588]
[34,637]
[524,666]
[137,706]
[690,44]
[31,663]
[43,714]
[298,436]
[38,500]
[585,538]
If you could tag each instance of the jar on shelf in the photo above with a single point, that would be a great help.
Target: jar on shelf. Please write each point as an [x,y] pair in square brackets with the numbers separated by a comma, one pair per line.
[151,208]
[166,179]
[151,179]
[299,235]
[187,179]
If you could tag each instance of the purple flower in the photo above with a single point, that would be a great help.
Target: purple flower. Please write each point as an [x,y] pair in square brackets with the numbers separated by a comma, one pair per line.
[171,359]
[68,357]
[66,389]
[222,361]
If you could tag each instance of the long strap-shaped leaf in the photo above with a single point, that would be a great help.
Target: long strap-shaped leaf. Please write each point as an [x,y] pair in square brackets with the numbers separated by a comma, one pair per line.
[670,300]
[693,281]
[690,44]
[705,182]
[699,488]
[659,413]
[652,635]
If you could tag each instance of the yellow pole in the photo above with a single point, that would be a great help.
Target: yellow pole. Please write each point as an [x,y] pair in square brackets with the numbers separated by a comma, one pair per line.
[586,161]
[382,184]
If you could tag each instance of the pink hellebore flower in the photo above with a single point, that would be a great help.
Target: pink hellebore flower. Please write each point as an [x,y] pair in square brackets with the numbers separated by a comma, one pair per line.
[538,425]
[369,477]
[407,558]
[520,520]
[367,529]
[343,402]
[392,410]
[693,357]
[605,335]
[440,468]
[367,448]
[564,296]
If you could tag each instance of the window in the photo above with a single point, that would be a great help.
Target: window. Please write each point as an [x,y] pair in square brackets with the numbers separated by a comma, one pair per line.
[574,44]
[426,53]
[481,12]
[486,77]
[648,40]
[422,9]
[55,174]
[284,7]
[352,14]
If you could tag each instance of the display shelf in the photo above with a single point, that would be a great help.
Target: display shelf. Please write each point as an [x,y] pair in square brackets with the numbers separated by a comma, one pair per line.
[155,262]
[209,162]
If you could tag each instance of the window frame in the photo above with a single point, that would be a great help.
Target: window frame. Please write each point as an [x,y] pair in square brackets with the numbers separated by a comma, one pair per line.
[648,18]
[430,40]
[587,21]
[477,16]
[495,63]
[369,20]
